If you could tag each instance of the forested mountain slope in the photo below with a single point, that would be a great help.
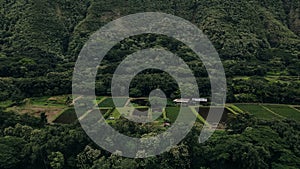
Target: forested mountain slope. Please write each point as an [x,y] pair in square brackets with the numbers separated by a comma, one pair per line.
[40,41]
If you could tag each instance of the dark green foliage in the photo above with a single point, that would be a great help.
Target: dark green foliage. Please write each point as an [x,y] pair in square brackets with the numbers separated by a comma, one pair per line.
[11,119]
[240,122]
[249,143]
[11,152]
[172,113]
[41,40]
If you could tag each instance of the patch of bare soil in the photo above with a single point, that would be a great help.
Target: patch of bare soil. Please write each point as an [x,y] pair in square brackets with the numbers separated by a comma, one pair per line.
[51,112]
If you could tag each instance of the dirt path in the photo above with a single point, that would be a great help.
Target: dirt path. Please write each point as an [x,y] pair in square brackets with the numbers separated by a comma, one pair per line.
[84,115]
[295,108]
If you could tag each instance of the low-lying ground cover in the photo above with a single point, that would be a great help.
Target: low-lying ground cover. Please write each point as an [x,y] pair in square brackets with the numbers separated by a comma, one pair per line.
[108,102]
[257,110]
[285,111]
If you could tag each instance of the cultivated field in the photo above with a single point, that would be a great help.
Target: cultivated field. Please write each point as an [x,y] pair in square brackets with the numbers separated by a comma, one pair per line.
[258,111]
[59,110]
[108,102]
[271,111]
[285,111]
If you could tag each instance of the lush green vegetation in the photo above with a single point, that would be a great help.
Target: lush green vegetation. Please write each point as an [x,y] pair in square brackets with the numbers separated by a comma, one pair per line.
[248,143]
[108,102]
[258,42]
[258,111]
[172,113]
[268,112]
[285,111]
[259,45]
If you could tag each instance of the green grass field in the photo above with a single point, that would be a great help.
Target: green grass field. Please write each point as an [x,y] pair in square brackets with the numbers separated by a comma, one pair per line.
[49,101]
[172,113]
[57,110]
[285,111]
[257,110]
[108,102]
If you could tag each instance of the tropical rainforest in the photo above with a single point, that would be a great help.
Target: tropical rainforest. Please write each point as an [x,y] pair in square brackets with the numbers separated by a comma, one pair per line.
[258,42]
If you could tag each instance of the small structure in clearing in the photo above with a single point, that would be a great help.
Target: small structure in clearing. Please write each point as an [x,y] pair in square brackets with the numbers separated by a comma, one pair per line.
[190,101]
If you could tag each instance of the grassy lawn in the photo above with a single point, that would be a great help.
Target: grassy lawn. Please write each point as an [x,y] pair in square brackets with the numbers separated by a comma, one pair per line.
[172,113]
[108,102]
[257,110]
[234,109]
[99,97]
[285,111]
[49,101]
[116,114]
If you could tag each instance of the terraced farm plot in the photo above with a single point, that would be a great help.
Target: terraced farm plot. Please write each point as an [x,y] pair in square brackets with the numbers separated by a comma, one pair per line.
[142,112]
[99,97]
[172,113]
[108,102]
[67,117]
[285,111]
[116,114]
[140,102]
[104,111]
[49,101]
[203,111]
[91,117]
[81,110]
[257,110]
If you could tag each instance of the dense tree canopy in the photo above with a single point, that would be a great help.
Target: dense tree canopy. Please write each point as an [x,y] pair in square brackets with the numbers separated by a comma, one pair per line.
[40,41]
[247,143]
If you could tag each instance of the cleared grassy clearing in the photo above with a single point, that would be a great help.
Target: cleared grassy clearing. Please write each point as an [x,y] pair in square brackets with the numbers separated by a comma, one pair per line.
[139,102]
[108,102]
[172,113]
[257,110]
[234,109]
[285,111]
[49,101]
